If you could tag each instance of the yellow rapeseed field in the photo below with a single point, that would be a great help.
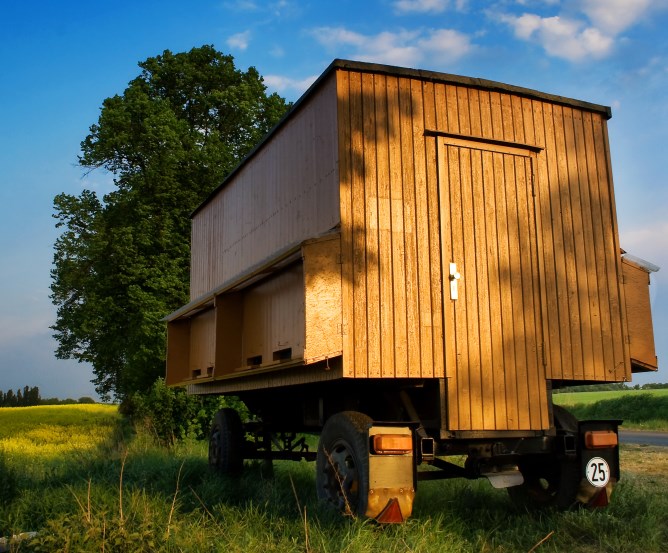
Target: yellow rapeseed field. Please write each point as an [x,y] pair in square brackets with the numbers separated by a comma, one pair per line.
[55,431]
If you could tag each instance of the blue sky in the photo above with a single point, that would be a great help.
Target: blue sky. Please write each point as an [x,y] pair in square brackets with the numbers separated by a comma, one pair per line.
[61,59]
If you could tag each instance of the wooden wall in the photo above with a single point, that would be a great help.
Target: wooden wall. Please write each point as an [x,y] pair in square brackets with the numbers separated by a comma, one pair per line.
[423,170]
[285,194]
[395,292]
[273,319]
[639,317]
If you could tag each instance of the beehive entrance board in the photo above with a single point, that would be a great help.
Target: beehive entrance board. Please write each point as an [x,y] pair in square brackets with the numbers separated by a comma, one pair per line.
[493,322]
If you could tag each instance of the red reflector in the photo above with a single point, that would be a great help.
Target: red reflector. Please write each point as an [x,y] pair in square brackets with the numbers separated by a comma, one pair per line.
[599,500]
[600,438]
[391,514]
[392,444]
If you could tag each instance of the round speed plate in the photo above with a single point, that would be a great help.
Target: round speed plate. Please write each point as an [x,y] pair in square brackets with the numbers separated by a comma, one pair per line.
[598,472]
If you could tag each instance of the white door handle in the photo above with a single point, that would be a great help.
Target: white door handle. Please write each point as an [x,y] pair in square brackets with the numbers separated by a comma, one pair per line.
[454,277]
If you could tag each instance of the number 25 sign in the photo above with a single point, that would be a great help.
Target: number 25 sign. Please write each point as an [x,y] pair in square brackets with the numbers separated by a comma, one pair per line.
[598,472]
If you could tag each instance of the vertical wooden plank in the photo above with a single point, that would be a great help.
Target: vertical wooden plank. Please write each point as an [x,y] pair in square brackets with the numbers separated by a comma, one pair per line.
[519,131]
[542,210]
[383,137]
[408,204]
[507,118]
[452,109]
[599,247]
[486,130]
[496,116]
[424,268]
[496,322]
[593,350]
[517,216]
[360,329]
[529,127]
[345,178]
[574,255]
[530,283]
[371,226]
[558,186]
[451,233]
[482,388]
[541,416]
[397,229]
[504,223]
[622,368]
[463,110]
[433,203]
[440,107]
[467,308]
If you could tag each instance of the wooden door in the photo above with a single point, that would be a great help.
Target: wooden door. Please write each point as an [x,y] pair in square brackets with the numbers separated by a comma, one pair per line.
[493,323]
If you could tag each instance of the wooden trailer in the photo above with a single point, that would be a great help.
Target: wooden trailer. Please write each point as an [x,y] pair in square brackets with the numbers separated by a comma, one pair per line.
[418,259]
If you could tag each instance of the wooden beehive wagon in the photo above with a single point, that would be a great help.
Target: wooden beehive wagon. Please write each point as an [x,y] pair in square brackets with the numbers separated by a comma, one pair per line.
[417,229]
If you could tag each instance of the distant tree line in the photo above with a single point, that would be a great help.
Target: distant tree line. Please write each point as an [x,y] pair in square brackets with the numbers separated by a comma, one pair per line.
[611,387]
[21,398]
[28,397]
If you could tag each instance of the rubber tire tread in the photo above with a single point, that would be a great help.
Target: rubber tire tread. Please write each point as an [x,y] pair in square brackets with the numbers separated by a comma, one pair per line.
[229,458]
[353,428]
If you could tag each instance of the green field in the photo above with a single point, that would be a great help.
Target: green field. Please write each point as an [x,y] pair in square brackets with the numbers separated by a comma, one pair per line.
[572,398]
[86,482]
[639,409]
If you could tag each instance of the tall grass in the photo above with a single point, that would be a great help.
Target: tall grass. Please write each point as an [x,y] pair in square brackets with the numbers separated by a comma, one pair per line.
[125,493]
[640,410]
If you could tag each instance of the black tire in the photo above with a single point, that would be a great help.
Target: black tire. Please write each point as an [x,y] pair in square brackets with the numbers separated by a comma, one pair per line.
[226,441]
[342,464]
[550,482]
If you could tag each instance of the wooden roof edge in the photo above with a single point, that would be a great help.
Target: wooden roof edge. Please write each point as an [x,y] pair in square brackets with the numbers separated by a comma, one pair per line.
[475,82]
[423,74]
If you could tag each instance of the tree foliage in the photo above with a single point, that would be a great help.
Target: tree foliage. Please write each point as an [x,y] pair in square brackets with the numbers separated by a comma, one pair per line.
[122,261]
[27,397]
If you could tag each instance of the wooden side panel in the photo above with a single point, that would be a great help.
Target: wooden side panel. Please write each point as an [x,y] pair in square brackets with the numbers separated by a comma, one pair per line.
[390,236]
[178,352]
[273,319]
[287,193]
[229,337]
[394,320]
[322,299]
[582,292]
[202,344]
[639,317]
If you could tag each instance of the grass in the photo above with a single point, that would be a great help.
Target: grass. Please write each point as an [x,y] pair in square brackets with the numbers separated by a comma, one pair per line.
[639,409]
[572,398]
[121,492]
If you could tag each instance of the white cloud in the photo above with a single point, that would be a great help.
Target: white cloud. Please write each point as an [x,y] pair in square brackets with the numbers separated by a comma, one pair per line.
[281,83]
[421,6]
[561,37]
[239,41]
[404,48]
[614,16]
[585,29]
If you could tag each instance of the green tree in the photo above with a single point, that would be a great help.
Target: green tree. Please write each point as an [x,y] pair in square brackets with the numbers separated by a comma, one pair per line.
[122,261]
[10,399]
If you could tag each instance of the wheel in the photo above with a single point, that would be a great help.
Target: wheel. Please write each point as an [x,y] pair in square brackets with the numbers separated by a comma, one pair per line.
[226,442]
[342,463]
[550,482]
